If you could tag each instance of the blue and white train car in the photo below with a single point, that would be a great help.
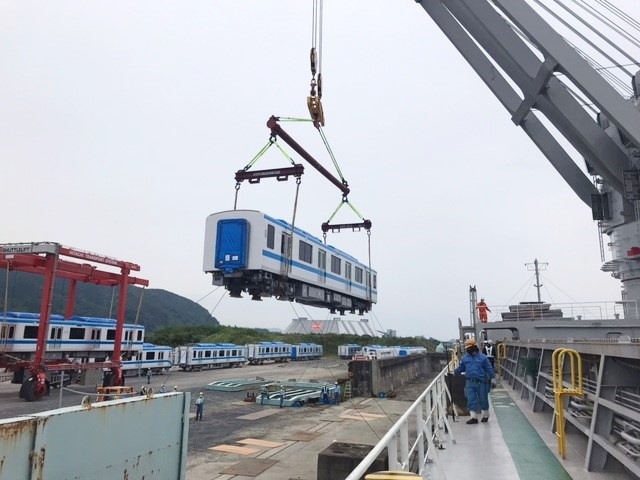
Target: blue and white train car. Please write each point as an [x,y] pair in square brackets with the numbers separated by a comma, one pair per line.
[346,352]
[306,351]
[199,356]
[258,353]
[157,358]
[378,352]
[406,351]
[249,251]
[76,337]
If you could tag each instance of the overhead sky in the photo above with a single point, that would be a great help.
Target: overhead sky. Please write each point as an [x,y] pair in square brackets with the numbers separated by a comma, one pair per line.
[122,125]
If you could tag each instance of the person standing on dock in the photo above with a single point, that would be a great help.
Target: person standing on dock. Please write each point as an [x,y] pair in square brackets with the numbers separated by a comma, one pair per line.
[479,376]
[336,394]
[482,308]
[199,406]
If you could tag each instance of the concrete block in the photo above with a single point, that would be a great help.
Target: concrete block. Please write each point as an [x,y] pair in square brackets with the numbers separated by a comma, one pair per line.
[339,459]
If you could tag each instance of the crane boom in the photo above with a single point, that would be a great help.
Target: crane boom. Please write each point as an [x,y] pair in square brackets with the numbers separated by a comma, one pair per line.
[527,65]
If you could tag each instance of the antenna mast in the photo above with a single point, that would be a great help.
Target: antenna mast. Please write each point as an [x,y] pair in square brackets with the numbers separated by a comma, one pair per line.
[537,267]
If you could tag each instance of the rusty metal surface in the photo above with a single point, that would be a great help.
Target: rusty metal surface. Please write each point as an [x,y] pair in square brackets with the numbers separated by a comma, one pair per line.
[134,438]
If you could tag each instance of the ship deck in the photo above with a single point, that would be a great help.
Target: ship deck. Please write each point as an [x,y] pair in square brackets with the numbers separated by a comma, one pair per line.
[514,444]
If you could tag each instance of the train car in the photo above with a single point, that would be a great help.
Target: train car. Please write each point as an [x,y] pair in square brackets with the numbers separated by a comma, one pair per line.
[77,337]
[306,351]
[406,351]
[258,353]
[346,352]
[157,358]
[249,251]
[200,356]
[377,352]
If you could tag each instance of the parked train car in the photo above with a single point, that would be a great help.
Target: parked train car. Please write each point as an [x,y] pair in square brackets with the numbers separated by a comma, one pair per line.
[199,356]
[77,337]
[377,352]
[406,351]
[258,353]
[306,351]
[157,358]
[249,251]
[346,352]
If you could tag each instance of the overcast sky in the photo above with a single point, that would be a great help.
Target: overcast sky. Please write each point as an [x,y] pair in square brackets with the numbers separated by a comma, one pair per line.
[122,125]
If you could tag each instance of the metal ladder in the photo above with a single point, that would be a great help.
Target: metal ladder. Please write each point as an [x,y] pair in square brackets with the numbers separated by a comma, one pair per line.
[347,390]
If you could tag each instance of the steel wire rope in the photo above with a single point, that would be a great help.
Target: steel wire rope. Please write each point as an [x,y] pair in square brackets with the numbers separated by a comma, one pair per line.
[205,296]
[547,279]
[606,21]
[532,277]
[621,14]
[335,378]
[612,79]
[224,294]
[612,25]
[272,141]
[307,333]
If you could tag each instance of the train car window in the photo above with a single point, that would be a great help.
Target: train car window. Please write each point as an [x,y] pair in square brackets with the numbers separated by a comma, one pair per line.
[30,332]
[76,333]
[95,334]
[347,270]
[271,237]
[375,281]
[139,335]
[149,355]
[305,252]
[359,275]
[207,354]
[111,334]
[335,264]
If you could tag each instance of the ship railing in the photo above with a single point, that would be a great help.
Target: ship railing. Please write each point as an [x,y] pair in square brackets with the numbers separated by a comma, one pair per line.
[603,310]
[412,442]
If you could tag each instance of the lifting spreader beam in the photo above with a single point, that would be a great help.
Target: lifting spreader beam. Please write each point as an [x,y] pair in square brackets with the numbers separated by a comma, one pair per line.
[339,226]
[277,131]
[281,174]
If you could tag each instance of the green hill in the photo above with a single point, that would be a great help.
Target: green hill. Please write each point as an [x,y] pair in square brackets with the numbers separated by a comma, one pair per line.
[159,308]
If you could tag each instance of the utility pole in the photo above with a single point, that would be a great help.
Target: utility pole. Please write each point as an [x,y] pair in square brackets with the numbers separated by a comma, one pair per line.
[537,267]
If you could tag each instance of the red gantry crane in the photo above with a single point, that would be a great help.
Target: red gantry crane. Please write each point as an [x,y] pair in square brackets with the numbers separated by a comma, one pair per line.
[52,261]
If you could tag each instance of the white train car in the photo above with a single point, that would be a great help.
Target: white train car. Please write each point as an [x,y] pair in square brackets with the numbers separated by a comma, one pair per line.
[306,351]
[406,351]
[199,356]
[249,251]
[346,352]
[76,337]
[258,353]
[157,358]
[378,352]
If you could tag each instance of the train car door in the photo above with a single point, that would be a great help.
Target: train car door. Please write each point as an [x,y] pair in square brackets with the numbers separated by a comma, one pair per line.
[286,246]
[322,266]
[55,338]
[347,276]
[232,238]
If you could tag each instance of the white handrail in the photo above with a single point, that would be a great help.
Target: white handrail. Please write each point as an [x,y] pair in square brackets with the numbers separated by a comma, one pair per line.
[403,443]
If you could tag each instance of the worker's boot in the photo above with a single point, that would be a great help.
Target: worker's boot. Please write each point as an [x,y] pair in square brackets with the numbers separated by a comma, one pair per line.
[473,419]
[485,416]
